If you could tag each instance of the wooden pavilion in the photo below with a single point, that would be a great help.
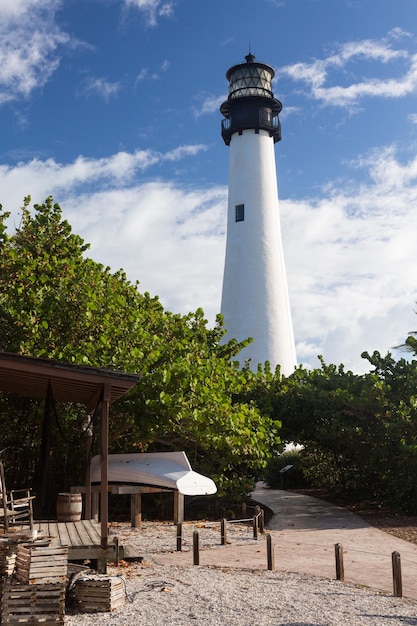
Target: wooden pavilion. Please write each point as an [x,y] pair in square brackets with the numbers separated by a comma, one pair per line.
[95,388]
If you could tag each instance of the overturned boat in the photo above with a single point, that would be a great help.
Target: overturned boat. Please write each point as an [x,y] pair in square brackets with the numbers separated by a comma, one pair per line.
[168,470]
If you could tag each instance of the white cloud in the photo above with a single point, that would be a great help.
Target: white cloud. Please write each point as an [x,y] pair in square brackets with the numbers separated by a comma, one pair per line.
[182,151]
[30,41]
[171,239]
[399,33]
[153,9]
[42,178]
[142,74]
[101,87]
[146,74]
[351,262]
[209,104]
[10,10]
[350,253]
[315,75]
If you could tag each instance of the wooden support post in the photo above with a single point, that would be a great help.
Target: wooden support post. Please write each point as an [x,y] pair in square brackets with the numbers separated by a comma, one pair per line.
[244,510]
[196,551]
[223,532]
[255,527]
[340,570]
[95,506]
[101,564]
[104,466]
[179,537]
[136,510]
[270,553]
[396,575]
[88,495]
[178,507]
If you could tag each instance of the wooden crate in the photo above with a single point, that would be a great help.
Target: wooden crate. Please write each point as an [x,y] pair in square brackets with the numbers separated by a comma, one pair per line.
[40,564]
[32,604]
[8,552]
[95,592]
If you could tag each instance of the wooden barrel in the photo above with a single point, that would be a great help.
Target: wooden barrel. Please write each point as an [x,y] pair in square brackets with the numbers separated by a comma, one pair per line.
[69,507]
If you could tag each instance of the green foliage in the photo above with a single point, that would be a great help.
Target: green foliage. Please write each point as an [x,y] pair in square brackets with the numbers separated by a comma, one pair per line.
[189,402]
[359,432]
[56,302]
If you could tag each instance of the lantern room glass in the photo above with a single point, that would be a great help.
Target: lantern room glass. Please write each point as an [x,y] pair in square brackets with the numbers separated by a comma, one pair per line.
[250,80]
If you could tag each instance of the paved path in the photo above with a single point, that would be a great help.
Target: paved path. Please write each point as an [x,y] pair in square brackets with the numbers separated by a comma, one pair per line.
[304,531]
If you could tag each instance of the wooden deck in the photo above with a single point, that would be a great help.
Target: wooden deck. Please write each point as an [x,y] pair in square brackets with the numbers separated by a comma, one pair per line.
[83,540]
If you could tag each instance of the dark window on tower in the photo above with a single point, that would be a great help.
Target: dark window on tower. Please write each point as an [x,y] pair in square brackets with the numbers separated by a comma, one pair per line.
[240,212]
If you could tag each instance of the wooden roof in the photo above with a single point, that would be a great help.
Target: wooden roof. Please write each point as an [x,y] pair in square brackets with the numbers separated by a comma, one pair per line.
[29,376]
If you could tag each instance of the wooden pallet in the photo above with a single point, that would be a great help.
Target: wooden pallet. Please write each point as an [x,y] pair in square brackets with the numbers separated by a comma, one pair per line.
[37,564]
[32,604]
[94,593]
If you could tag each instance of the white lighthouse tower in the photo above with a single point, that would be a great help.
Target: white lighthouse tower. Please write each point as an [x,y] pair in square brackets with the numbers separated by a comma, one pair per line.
[255,300]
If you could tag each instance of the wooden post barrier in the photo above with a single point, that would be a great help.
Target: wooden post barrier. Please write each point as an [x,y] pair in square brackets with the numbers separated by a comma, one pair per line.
[196,551]
[243,509]
[270,553]
[179,537]
[223,532]
[262,521]
[340,570]
[255,527]
[396,575]
[117,550]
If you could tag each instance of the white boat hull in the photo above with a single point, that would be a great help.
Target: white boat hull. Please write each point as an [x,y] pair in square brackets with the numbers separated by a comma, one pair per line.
[169,470]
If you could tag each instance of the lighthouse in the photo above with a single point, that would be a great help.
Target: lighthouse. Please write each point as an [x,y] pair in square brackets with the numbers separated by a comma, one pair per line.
[255,301]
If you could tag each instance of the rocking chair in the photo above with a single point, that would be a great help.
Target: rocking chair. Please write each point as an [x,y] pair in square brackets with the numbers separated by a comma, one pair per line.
[15,505]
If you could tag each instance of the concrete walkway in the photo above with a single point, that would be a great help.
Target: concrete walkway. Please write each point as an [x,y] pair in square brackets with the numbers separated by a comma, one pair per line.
[304,531]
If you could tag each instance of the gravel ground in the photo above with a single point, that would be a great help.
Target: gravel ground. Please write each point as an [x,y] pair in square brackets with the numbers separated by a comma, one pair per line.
[162,537]
[188,596]
[170,596]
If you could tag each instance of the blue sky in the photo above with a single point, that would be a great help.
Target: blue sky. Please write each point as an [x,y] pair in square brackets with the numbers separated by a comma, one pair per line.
[112,107]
